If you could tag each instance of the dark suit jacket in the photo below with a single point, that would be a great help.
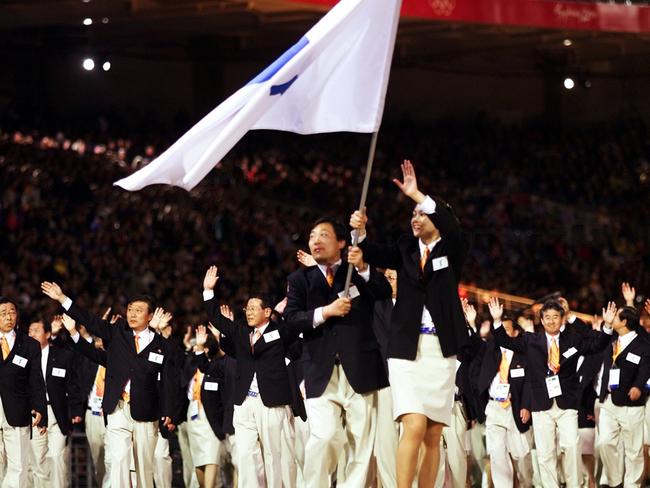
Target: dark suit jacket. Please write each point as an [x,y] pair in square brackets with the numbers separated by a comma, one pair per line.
[381,326]
[224,368]
[486,367]
[22,389]
[634,372]
[92,358]
[438,290]
[535,347]
[587,376]
[267,357]
[149,401]
[64,392]
[212,398]
[350,338]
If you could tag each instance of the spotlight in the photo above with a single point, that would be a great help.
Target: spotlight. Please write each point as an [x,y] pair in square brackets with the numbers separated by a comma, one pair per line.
[567,42]
[105,20]
[587,84]
[88,64]
[569,83]
[106,66]
[88,21]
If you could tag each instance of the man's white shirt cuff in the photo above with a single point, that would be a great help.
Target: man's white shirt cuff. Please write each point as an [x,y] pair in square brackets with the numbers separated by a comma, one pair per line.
[208,295]
[365,274]
[67,303]
[318,317]
[428,206]
[75,337]
[497,324]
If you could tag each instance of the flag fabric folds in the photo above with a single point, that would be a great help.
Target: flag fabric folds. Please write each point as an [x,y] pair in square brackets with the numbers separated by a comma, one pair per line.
[333,79]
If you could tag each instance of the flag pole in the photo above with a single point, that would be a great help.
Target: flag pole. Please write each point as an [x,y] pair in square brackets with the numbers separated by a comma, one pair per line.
[362,204]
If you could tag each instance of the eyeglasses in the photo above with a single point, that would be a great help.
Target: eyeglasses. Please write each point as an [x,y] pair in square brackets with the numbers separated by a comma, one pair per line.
[7,314]
[251,309]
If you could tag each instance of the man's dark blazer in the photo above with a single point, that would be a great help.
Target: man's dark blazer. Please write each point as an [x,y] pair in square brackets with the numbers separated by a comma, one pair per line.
[64,392]
[149,401]
[22,389]
[438,290]
[225,368]
[632,374]
[211,399]
[486,366]
[349,339]
[266,357]
[587,377]
[535,347]
[87,368]
[381,326]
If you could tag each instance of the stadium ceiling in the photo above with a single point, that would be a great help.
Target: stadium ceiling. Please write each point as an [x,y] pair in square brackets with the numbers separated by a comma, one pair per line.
[258,30]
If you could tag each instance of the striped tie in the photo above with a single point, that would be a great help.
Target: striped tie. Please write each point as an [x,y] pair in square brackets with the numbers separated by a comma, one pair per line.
[423,259]
[554,357]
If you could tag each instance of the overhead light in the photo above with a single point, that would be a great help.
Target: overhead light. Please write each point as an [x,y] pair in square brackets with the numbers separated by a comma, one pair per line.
[106,66]
[567,42]
[88,21]
[105,20]
[88,64]
[587,84]
[569,83]
[85,1]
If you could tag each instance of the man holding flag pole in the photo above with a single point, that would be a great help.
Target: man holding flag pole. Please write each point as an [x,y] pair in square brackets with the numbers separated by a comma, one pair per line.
[334,79]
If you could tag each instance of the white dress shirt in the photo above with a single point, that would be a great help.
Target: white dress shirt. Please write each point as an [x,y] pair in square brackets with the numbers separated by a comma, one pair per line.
[45,353]
[11,338]
[254,387]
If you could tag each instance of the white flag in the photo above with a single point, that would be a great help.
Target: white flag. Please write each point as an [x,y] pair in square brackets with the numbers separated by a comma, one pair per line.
[334,79]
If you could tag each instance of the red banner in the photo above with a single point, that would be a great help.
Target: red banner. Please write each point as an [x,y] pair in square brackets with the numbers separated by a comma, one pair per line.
[594,16]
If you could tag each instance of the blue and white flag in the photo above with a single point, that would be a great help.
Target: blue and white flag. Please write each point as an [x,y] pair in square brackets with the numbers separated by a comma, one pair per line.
[334,79]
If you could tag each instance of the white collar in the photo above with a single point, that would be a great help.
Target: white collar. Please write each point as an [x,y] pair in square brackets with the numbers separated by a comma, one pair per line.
[335,266]
[430,246]
[261,328]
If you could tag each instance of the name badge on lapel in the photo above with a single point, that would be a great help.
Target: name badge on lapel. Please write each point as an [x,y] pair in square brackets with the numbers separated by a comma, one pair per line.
[19,361]
[156,358]
[274,335]
[440,263]
[553,386]
[210,386]
[569,352]
[58,372]
[517,373]
[354,292]
[633,358]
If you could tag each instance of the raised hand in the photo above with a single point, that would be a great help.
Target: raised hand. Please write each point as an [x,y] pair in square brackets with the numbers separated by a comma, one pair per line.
[280,306]
[201,336]
[305,258]
[53,291]
[211,278]
[160,319]
[629,293]
[609,313]
[57,324]
[187,338]
[338,308]
[470,312]
[647,306]
[226,311]
[355,258]
[215,332]
[69,323]
[596,322]
[496,309]
[358,221]
[409,185]
[115,318]
[527,324]
[107,314]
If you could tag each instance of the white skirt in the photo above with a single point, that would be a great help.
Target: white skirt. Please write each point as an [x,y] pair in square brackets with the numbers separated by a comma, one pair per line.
[425,385]
[204,445]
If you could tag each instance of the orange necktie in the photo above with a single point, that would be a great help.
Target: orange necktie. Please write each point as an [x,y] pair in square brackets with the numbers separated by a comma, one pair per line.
[423,259]
[100,378]
[329,276]
[617,350]
[554,357]
[504,369]
[137,343]
[5,347]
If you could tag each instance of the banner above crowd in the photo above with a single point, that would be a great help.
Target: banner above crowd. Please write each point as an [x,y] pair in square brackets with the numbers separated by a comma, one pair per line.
[594,16]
